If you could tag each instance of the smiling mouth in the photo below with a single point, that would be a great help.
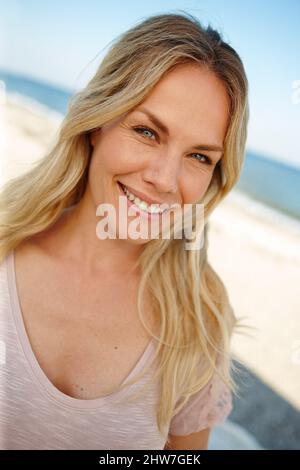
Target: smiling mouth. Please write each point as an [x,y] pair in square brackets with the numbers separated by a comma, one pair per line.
[143,206]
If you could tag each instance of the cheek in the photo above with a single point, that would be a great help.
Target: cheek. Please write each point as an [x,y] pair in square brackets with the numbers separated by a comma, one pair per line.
[196,187]
[114,158]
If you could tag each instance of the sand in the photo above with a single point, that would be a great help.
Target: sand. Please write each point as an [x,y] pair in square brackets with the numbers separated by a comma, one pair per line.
[255,251]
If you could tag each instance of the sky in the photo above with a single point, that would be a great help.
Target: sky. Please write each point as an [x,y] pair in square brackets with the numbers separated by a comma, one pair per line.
[62,43]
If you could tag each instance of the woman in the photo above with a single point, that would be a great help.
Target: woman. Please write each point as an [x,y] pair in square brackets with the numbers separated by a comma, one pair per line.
[86,319]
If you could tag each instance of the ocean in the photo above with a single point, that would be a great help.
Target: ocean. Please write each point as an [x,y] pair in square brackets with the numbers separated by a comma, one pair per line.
[275,185]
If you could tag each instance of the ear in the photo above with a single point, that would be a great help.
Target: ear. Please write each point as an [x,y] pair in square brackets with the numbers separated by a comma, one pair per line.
[93,136]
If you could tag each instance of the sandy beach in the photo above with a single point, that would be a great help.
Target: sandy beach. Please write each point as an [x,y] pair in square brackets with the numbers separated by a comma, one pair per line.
[255,251]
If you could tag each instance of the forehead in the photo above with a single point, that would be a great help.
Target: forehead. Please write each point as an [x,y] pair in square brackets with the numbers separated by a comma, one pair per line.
[191,99]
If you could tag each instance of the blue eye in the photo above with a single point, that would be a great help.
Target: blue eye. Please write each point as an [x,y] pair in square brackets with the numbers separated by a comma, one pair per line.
[208,160]
[140,130]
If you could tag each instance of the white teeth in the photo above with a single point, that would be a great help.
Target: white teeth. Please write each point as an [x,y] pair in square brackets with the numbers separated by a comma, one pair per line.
[143,205]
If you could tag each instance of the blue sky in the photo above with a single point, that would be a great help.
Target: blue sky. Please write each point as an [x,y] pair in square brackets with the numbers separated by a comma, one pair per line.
[61,42]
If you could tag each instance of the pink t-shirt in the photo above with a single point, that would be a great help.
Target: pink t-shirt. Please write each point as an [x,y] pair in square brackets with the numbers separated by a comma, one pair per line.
[34,414]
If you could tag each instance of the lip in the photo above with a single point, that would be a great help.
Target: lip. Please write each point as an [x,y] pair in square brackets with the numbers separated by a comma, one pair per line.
[141,196]
[144,214]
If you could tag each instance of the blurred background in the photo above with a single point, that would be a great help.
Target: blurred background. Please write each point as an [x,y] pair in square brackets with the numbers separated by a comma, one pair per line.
[49,50]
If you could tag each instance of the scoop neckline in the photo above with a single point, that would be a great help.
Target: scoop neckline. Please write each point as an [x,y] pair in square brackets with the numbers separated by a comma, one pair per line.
[42,379]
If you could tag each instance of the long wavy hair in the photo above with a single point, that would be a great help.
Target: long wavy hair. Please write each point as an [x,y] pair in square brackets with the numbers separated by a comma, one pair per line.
[190,300]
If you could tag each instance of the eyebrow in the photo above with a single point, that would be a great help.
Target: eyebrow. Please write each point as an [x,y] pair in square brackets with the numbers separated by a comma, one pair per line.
[160,125]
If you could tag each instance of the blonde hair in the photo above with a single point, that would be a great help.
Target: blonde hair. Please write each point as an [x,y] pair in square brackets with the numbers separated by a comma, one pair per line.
[196,318]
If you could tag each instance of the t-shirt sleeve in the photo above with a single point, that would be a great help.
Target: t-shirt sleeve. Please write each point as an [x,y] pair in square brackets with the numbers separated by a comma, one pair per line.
[205,409]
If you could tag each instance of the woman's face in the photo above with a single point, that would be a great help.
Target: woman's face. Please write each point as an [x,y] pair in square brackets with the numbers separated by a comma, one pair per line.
[171,162]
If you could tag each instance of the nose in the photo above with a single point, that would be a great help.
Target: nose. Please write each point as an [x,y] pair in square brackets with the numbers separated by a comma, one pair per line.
[163,172]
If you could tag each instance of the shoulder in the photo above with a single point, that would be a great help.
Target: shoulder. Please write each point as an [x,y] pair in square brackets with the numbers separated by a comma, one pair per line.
[40,246]
[31,262]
